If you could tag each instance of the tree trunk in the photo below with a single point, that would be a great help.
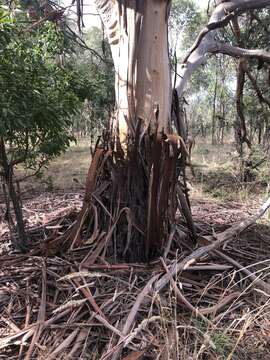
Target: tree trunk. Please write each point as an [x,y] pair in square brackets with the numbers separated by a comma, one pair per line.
[21,243]
[137,32]
[266,136]
[143,151]
[239,101]
[214,140]
[259,134]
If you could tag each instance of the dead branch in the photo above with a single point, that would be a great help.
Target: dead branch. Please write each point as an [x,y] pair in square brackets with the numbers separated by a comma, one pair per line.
[225,301]
[206,42]
[236,51]
[250,275]
[214,243]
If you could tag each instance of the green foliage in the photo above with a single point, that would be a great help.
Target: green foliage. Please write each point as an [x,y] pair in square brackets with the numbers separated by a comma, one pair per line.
[39,96]
[99,72]
[222,344]
[186,20]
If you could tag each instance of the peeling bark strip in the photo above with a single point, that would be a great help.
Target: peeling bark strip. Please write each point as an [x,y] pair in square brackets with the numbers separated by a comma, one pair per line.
[161,200]
[206,42]
[89,188]
[137,33]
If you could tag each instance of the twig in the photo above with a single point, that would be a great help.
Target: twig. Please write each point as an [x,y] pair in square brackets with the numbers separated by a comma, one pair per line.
[181,298]
[214,309]
[252,277]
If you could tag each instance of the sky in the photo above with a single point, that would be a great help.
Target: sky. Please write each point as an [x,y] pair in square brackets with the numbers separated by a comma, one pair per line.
[91,17]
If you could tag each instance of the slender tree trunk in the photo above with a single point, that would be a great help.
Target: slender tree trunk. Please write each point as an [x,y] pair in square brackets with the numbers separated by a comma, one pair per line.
[223,122]
[266,136]
[259,134]
[239,101]
[214,140]
[9,181]
[240,76]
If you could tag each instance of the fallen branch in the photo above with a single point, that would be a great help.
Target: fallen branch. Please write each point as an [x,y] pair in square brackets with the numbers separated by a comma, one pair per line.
[221,239]
[181,298]
[225,301]
[250,275]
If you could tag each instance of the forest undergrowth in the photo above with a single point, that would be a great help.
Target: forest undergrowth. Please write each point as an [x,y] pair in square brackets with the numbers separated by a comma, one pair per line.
[82,305]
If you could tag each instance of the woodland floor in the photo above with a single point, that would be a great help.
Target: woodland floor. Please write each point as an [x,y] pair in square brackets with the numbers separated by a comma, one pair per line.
[49,309]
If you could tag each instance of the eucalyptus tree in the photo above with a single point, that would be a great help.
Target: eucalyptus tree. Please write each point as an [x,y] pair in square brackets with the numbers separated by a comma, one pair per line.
[256,73]
[146,138]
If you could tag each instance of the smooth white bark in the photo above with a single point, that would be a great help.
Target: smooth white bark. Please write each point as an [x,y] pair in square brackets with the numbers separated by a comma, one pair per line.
[137,33]
[206,42]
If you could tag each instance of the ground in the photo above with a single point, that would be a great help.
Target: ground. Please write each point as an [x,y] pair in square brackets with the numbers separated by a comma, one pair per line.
[232,322]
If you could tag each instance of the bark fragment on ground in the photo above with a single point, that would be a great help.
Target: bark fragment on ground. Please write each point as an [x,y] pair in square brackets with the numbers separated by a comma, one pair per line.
[77,310]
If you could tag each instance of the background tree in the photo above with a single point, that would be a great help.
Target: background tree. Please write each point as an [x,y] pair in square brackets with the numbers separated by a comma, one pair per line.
[97,68]
[37,101]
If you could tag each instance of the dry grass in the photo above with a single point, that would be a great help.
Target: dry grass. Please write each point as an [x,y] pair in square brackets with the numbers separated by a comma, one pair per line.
[217,175]
[68,172]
